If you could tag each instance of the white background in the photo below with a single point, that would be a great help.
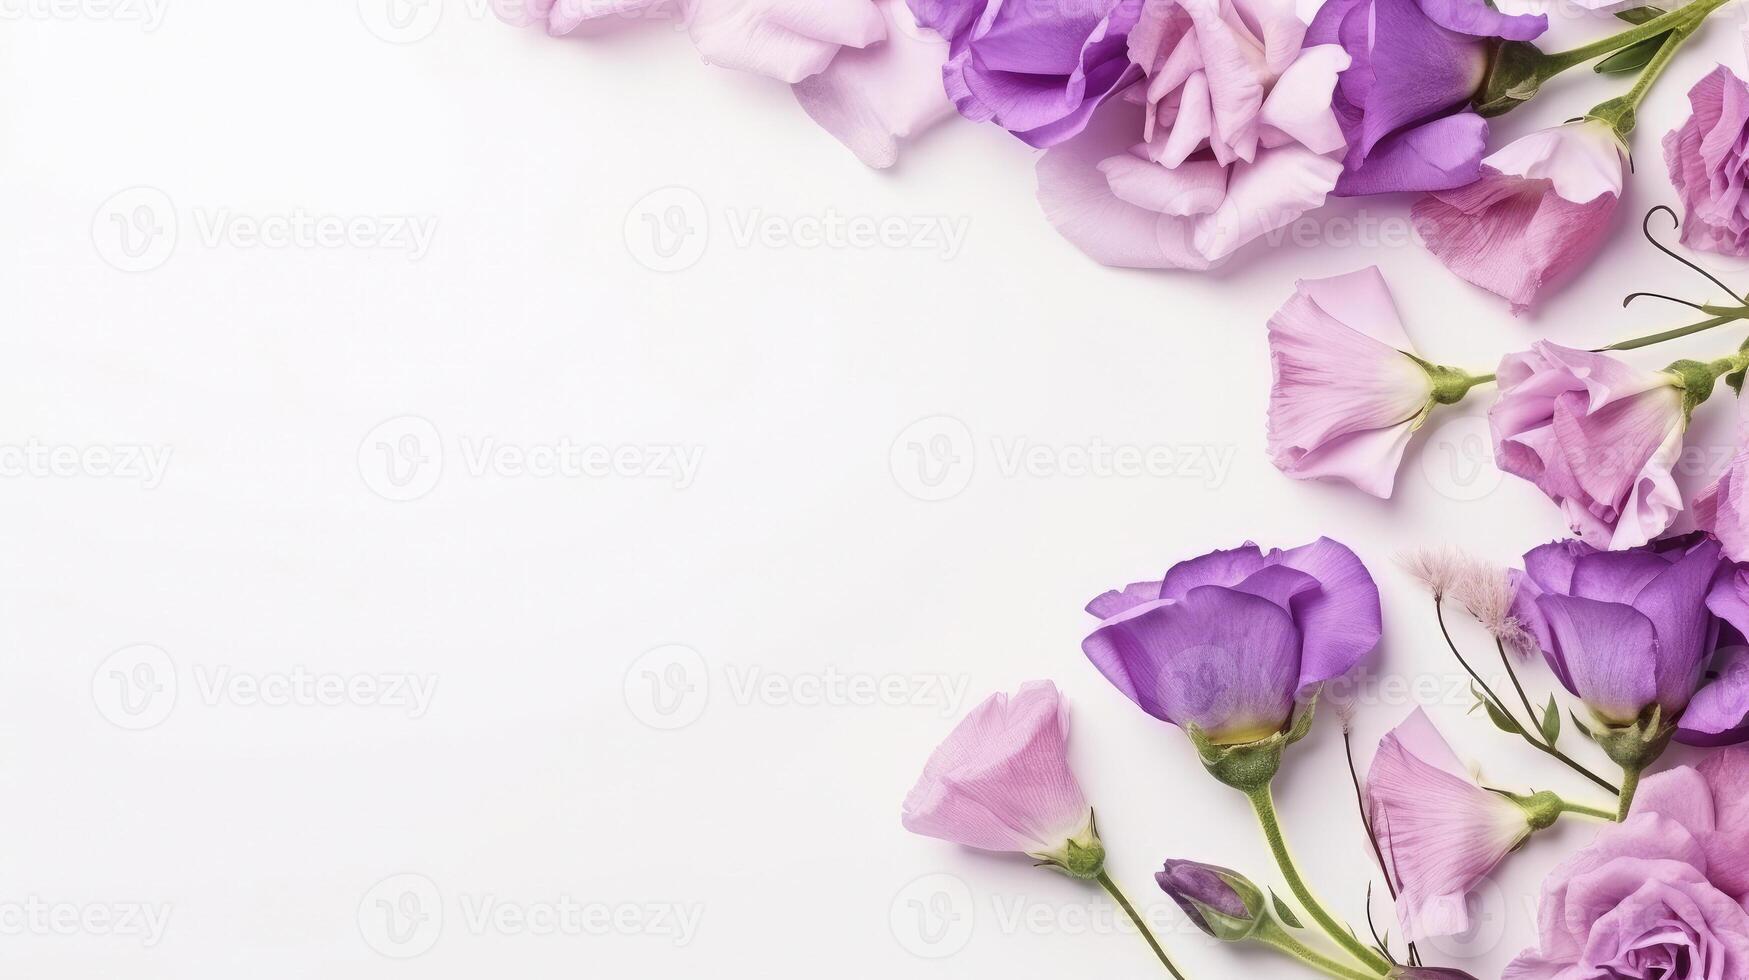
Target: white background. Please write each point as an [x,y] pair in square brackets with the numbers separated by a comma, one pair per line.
[280,836]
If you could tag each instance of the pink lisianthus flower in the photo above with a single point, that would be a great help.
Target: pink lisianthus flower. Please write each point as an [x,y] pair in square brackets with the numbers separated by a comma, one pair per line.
[1230,136]
[1723,507]
[1439,832]
[1001,781]
[1541,209]
[1662,894]
[1595,434]
[1348,390]
[1708,156]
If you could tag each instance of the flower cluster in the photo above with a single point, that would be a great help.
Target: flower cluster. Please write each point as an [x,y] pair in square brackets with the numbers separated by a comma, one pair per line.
[1177,132]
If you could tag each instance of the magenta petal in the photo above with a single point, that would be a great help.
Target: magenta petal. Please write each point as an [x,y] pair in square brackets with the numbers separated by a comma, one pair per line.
[1222,660]
[1342,622]
[1606,650]
[1719,713]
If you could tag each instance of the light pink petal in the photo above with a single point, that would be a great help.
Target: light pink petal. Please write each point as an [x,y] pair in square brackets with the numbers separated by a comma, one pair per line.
[871,98]
[1236,79]
[1001,780]
[1582,160]
[785,39]
[1278,26]
[565,16]
[1272,193]
[1299,104]
[1363,302]
[1368,460]
[1441,833]
[1188,189]
[1078,200]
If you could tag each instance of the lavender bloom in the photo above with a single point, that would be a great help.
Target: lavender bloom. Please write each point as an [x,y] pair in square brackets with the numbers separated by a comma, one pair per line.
[1037,70]
[1228,641]
[1403,102]
[1627,631]
[1708,156]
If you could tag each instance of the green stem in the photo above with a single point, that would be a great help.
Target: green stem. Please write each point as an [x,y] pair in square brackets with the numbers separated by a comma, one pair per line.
[1688,16]
[1568,806]
[1523,698]
[1264,803]
[1630,784]
[1551,751]
[1274,935]
[1130,910]
[1680,332]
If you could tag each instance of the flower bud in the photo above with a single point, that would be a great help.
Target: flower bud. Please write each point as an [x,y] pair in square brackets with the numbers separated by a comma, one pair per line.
[1222,903]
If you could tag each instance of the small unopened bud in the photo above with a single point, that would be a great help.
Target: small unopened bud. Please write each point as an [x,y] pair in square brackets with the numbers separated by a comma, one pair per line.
[1220,902]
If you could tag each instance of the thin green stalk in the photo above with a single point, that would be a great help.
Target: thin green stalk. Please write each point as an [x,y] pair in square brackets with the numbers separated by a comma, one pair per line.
[1506,661]
[1678,333]
[1551,751]
[1130,910]
[1273,935]
[1264,803]
[1689,16]
[1630,785]
[1568,806]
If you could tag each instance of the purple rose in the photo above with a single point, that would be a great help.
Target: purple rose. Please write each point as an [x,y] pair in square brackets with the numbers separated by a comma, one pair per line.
[1228,641]
[1404,100]
[1660,895]
[1625,631]
[1037,68]
[1709,163]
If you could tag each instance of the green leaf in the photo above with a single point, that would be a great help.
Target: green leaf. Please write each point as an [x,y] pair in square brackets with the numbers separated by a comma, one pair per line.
[1583,728]
[1502,720]
[1639,15]
[1551,721]
[1633,57]
[1285,913]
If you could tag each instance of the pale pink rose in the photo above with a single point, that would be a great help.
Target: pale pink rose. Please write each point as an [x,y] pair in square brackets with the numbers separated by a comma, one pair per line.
[1230,136]
[871,98]
[1440,833]
[1597,435]
[1723,507]
[1708,157]
[1347,396]
[1001,781]
[1541,209]
[1662,894]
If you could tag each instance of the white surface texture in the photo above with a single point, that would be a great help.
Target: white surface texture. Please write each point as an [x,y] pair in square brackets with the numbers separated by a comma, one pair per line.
[452,591]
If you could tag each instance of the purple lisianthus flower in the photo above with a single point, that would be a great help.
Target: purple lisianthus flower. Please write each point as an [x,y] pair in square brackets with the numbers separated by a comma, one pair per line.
[1403,102]
[1220,902]
[1662,894]
[1708,156]
[1228,641]
[1036,69]
[1625,631]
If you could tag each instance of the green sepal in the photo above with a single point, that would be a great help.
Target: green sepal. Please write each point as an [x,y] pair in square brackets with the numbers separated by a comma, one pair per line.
[1081,856]
[1636,746]
[1251,766]
[1515,74]
[1285,912]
